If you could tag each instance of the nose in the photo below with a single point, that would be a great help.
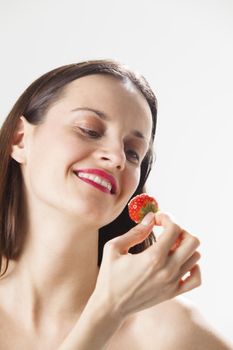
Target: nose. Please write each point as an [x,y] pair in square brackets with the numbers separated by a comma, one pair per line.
[113,156]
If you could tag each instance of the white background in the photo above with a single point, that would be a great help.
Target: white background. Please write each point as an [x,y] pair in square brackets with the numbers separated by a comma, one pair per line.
[185,50]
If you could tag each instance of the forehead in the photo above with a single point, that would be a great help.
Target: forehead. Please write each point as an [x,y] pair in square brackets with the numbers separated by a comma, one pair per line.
[117,98]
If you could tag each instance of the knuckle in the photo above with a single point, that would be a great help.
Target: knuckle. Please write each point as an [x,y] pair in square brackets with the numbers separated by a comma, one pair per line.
[138,231]
[165,215]
[155,260]
[195,241]
[110,245]
[197,282]
[198,255]
[174,228]
[196,277]
[167,274]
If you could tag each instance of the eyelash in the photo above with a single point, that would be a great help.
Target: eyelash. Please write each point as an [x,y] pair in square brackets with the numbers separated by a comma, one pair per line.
[91,133]
[94,135]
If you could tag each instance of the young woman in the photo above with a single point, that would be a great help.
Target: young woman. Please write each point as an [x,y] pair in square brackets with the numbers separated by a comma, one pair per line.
[77,273]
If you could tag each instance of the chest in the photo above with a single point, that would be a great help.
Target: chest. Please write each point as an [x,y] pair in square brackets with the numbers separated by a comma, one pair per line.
[15,337]
[135,335]
[131,335]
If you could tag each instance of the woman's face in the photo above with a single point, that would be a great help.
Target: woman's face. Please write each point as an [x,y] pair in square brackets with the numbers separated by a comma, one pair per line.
[98,123]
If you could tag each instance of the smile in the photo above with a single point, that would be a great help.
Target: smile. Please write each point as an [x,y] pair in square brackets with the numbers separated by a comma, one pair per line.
[96,179]
[100,178]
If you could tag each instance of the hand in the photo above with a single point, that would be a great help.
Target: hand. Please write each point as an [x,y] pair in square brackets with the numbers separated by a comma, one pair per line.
[132,282]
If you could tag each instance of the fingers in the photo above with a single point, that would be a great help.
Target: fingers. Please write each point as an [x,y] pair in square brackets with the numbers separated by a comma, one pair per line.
[186,249]
[134,236]
[191,282]
[175,249]
[188,265]
[170,233]
[175,241]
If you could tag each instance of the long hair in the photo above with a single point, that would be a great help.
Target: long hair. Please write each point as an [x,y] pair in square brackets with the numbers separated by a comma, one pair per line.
[33,104]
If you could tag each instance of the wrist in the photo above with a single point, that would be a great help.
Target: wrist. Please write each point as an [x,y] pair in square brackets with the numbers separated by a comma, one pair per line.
[105,309]
[95,327]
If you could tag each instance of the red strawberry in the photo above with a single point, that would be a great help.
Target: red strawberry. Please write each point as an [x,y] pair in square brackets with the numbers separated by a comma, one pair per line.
[140,205]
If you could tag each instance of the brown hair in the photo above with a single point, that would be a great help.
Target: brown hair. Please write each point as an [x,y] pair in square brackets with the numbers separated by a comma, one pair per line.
[33,104]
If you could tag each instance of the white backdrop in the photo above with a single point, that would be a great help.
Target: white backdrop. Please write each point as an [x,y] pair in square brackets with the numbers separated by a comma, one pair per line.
[185,50]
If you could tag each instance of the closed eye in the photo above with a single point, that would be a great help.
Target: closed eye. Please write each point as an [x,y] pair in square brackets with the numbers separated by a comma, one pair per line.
[95,135]
[91,133]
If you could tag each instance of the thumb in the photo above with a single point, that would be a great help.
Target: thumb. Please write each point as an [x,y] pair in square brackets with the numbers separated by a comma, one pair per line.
[136,235]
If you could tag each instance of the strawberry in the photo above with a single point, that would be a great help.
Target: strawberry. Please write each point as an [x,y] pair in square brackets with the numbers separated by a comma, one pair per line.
[140,205]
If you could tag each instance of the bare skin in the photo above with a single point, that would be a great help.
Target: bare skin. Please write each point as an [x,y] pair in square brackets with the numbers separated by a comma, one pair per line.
[46,290]
[55,276]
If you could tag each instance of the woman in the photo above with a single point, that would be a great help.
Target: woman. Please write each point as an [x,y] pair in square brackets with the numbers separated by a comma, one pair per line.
[76,272]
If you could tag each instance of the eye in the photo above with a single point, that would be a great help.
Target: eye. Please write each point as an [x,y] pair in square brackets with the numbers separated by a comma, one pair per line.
[91,133]
[132,154]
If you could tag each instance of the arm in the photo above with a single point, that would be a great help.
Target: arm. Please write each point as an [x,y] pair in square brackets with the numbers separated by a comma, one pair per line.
[153,276]
[94,329]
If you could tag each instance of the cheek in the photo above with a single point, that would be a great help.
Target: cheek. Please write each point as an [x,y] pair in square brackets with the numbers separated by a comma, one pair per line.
[51,159]
[129,184]
[58,150]
[132,179]
[45,165]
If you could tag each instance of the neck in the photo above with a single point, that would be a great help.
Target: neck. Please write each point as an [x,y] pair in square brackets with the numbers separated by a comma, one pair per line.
[56,273]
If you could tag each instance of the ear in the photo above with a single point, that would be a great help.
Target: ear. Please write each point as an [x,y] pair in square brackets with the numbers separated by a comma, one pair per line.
[18,148]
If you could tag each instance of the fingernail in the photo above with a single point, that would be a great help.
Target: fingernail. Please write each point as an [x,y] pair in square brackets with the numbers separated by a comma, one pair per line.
[148,218]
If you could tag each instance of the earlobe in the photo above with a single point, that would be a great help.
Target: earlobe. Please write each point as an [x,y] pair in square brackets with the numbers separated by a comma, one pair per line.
[18,150]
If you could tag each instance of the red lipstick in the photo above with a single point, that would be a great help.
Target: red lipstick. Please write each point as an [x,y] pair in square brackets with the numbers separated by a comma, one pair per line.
[103,174]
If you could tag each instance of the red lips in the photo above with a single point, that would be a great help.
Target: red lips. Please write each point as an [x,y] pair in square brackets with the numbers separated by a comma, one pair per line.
[102,174]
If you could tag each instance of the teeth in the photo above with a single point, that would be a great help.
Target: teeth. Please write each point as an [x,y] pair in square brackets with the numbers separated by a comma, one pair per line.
[96,179]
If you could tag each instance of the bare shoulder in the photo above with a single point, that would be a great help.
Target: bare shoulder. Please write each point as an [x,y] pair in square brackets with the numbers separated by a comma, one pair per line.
[177,324]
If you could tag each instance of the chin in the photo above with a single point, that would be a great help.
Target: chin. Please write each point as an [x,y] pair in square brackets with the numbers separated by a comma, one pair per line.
[87,213]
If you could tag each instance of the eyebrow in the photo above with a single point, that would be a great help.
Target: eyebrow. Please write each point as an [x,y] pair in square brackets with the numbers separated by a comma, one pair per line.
[104,116]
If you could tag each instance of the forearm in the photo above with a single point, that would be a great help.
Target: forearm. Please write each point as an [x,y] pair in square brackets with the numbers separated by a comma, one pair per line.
[94,329]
